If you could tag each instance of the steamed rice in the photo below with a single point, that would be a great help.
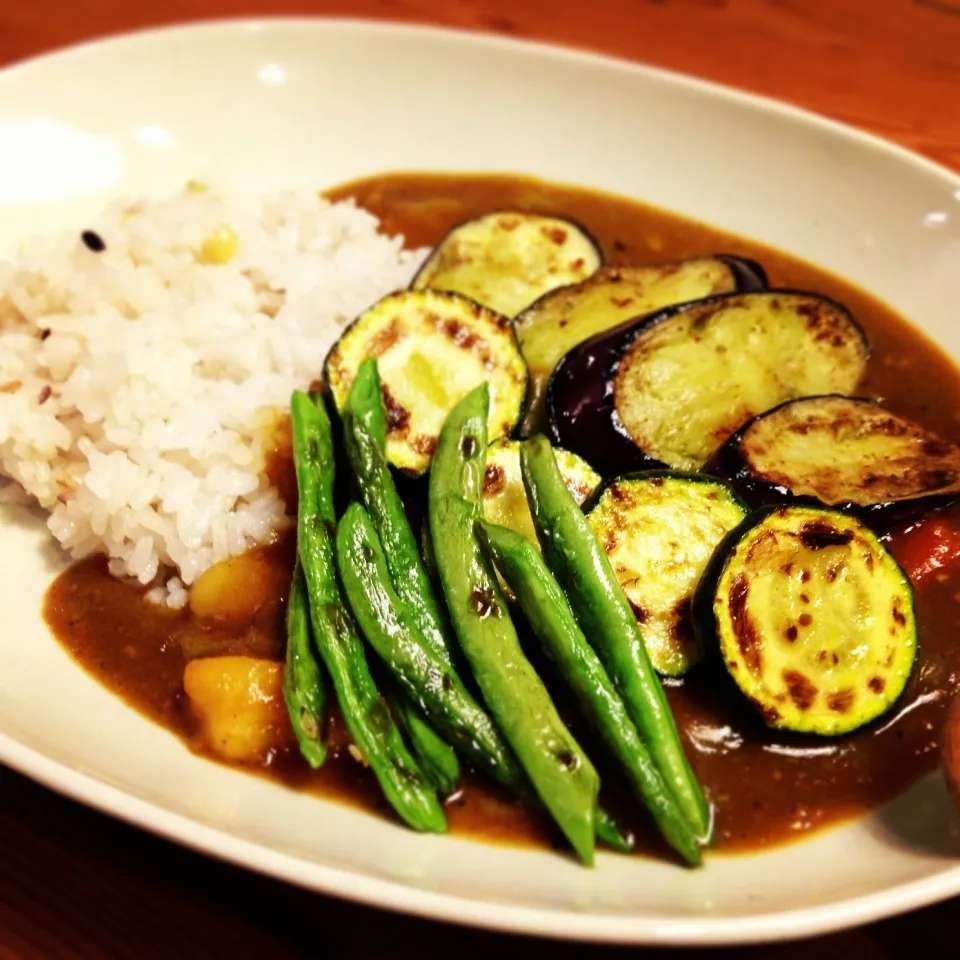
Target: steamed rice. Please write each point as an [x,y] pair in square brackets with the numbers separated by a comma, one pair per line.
[139,386]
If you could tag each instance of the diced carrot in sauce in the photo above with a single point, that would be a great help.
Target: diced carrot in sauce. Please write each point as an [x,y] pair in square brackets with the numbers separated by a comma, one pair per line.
[929,546]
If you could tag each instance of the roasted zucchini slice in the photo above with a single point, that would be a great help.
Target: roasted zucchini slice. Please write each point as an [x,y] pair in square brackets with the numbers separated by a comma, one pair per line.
[843,451]
[659,530]
[559,320]
[690,378]
[504,497]
[432,348]
[506,260]
[813,618]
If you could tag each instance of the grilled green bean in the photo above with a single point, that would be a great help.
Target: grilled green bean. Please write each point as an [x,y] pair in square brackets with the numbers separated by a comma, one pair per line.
[364,710]
[365,439]
[424,674]
[436,757]
[561,773]
[549,614]
[304,685]
[577,560]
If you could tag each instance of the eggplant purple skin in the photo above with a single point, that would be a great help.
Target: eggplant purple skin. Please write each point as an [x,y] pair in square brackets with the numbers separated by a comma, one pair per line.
[883,519]
[580,410]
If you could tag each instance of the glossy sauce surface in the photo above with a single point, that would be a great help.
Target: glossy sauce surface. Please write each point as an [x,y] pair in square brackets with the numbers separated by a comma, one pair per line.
[767,787]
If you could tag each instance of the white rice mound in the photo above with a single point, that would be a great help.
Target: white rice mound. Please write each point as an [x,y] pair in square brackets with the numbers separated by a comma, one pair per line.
[140,386]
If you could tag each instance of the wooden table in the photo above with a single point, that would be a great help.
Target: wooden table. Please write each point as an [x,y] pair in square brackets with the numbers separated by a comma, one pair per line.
[75,884]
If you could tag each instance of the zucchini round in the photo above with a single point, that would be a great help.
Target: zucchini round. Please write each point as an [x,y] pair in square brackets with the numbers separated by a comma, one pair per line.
[432,348]
[559,320]
[659,530]
[813,617]
[842,451]
[506,260]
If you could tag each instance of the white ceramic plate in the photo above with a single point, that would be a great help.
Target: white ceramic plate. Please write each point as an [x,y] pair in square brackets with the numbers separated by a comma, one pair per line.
[274,102]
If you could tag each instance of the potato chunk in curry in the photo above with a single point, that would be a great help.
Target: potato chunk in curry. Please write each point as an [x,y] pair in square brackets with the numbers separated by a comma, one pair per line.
[238,702]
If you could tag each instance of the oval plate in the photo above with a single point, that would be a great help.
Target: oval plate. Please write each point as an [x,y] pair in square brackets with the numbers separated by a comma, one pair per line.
[283,102]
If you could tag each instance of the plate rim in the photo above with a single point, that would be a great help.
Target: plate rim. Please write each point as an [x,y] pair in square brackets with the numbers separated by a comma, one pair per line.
[397,896]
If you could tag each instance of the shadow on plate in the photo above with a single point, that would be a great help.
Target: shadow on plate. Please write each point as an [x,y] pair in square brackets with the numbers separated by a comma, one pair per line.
[17,515]
[923,820]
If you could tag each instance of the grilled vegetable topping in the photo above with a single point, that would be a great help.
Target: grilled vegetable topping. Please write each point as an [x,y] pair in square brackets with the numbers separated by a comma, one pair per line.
[558,321]
[577,560]
[431,349]
[672,388]
[813,617]
[364,439]
[436,757]
[659,530]
[365,712]
[549,614]
[559,770]
[506,260]
[504,498]
[425,675]
[304,685]
[841,451]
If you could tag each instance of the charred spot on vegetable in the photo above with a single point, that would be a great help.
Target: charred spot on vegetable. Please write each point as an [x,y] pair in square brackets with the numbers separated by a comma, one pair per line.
[621,302]
[818,534]
[424,445]
[46,393]
[800,689]
[385,339]
[568,760]
[446,682]
[877,684]
[398,417]
[45,333]
[554,234]
[804,619]
[469,446]
[459,333]
[744,628]
[804,598]
[841,701]
[484,602]
[494,480]
[638,611]
[898,616]
[791,633]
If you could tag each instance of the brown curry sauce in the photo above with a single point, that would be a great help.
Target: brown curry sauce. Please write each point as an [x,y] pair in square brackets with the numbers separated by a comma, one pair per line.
[767,787]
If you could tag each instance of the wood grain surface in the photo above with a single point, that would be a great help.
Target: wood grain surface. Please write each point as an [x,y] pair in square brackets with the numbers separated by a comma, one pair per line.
[76,884]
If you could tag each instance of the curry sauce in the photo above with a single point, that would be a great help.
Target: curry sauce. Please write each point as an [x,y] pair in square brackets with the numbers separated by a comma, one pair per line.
[767,787]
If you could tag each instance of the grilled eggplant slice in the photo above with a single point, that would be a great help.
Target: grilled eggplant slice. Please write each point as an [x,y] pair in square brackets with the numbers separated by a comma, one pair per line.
[432,348]
[506,260]
[671,388]
[813,618]
[504,496]
[845,452]
[563,318]
[659,530]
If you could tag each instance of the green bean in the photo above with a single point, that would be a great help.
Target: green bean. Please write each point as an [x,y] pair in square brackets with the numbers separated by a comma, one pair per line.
[424,674]
[561,773]
[549,614]
[577,560]
[365,439]
[304,685]
[436,757]
[364,710]
[610,835]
